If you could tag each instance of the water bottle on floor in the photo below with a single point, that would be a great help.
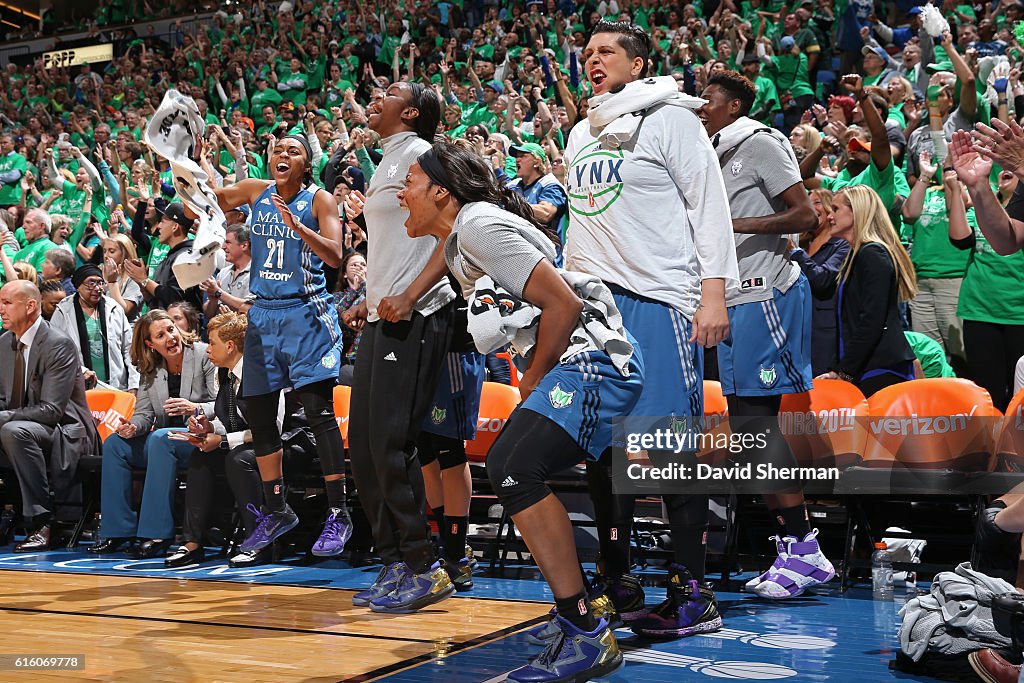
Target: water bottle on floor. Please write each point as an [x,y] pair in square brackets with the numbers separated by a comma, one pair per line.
[881,573]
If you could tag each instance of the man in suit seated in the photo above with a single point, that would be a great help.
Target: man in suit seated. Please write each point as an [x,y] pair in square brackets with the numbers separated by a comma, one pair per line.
[45,422]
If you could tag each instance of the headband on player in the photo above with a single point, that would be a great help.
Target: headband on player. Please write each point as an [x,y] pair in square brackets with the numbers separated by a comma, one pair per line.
[301,139]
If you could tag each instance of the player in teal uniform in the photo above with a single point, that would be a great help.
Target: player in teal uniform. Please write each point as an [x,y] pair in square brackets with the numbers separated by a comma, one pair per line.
[293,338]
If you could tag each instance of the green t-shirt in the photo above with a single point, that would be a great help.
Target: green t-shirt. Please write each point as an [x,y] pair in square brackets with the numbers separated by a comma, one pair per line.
[157,254]
[767,99]
[482,115]
[35,253]
[931,251]
[73,201]
[335,93]
[94,330]
[881,181]
[991,290]
[296,95]
[930,354]
[10,193]
[641,17]
[262,98]
[387,50]
[896,114]
[791,76]
[457,132]
[315,77]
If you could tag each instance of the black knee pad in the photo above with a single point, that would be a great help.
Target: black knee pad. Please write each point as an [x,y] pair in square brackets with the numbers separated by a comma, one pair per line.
[529,449]
[265,439]
[448,452]
[318,402]
[261,414]
[451,453]
[426,449]
[687,510]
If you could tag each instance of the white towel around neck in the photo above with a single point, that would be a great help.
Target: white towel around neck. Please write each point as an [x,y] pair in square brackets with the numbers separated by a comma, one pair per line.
[614,117]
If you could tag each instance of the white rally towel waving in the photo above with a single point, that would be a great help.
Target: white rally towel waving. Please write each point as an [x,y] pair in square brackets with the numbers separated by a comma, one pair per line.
[174,133]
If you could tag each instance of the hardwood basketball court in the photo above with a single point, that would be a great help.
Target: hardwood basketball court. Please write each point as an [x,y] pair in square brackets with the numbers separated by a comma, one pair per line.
[148,629]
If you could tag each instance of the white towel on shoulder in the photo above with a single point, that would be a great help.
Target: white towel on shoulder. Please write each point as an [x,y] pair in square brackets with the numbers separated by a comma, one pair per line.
[614,117]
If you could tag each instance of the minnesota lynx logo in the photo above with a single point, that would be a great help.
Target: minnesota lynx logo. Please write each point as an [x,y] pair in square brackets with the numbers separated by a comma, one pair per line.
[560,398]
[679,426]
[768,376]
[594,181]
[437,415]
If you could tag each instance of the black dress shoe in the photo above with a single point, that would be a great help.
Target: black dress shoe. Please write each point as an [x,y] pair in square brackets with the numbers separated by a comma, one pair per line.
[109,545]
[38,540]
[149,549]
[183,557]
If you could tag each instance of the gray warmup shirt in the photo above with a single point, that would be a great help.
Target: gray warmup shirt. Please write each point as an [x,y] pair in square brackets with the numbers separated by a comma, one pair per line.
[393,258]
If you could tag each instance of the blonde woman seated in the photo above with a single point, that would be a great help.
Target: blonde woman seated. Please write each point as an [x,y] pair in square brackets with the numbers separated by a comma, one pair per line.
[177,381]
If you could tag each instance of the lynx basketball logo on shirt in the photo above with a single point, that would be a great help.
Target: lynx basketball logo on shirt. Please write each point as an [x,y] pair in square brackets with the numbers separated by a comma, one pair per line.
[594,179]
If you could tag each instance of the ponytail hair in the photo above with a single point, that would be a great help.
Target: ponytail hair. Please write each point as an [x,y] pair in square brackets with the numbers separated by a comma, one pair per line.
[469,178]
[428,104]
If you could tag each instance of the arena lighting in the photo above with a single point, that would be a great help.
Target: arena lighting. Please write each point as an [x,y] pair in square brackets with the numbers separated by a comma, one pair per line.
[19,10]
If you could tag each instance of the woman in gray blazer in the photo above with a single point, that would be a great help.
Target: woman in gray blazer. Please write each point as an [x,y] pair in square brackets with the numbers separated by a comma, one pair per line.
[177,380]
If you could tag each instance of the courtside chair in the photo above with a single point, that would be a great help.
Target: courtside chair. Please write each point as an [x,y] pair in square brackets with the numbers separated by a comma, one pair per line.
[1009,451]
[513,371]
[497,401]
[342,404]
[827,427]
[109,407]
[929,443]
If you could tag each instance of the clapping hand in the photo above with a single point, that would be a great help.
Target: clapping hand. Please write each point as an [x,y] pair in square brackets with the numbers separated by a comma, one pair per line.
[354,204]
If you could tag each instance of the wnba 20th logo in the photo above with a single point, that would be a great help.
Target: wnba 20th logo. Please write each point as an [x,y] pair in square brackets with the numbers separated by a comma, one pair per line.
[594,179]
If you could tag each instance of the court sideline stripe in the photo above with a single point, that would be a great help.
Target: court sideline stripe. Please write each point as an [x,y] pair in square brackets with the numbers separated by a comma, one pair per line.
[166,620]
[99,572]
[456,648]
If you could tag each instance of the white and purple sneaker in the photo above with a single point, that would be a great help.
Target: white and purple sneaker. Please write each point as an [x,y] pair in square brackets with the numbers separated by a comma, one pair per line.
[780,546]
[804,566]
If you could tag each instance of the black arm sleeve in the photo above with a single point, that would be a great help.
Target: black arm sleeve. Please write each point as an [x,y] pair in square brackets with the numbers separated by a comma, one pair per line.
[139,231]
[964,244]
[1015,208]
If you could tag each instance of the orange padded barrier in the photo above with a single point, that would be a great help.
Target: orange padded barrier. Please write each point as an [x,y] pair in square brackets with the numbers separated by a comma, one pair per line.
[827,425]
[109,407]
[497,401]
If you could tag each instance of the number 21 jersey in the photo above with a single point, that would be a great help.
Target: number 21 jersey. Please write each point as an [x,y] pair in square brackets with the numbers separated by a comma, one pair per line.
[283,266]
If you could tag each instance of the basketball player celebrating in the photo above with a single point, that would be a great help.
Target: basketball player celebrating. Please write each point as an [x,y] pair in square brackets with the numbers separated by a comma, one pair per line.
[768,353]
[649,216]
[293,338]
[570,395]
[408,312]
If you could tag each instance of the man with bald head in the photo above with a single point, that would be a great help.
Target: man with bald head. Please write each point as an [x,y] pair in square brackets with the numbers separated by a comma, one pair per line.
[45,422]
